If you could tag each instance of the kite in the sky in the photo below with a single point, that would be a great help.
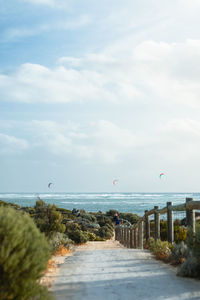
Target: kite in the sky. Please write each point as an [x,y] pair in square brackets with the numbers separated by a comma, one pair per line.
[161,174]
[49,185]
[115,181]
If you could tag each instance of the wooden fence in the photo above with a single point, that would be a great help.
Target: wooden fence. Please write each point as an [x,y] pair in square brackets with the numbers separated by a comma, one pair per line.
[133,236]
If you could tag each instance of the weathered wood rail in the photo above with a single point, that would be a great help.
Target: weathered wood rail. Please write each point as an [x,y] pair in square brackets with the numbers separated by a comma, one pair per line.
[132,236]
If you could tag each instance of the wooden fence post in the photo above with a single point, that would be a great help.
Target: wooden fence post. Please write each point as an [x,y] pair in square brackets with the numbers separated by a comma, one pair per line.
[119,236]
[125,237]
[190,216]
[131,238]
[135,238]
[122,234]
[141,224]
[128,237]
[170,223]
[147,226]
[116,233]
[157,223]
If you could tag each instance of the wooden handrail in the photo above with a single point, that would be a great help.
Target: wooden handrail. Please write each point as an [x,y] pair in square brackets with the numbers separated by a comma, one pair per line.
[135,230]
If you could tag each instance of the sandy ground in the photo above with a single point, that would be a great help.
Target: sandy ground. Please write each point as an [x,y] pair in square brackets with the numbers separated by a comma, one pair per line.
[107,270]
[57,260]
[53,269]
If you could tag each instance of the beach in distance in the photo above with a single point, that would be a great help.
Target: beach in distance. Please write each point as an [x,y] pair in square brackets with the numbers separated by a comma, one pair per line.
[93,202]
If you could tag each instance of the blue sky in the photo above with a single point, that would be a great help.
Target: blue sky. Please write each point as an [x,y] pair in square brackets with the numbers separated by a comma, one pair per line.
[96,90]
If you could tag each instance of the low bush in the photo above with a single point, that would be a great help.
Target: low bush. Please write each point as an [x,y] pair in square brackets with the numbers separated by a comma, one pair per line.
[102,220]
[111,213]
[92,236]
[191,265]
[180,234]
[179,253]
[24,254]
[60,239]
[161,249]
[89,217]
[132,218]
[79,236]
[74,232]
[47,218]
[105,232]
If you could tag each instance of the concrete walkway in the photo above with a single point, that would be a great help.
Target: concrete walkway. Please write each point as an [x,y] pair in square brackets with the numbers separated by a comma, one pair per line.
[107,271]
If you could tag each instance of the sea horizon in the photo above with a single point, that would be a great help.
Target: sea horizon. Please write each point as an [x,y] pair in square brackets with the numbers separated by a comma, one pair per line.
[135,202]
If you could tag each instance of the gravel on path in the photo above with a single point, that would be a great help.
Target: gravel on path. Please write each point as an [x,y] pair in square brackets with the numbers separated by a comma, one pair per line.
[108,271]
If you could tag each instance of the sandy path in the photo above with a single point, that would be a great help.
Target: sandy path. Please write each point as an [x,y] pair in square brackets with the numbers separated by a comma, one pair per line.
[106,270]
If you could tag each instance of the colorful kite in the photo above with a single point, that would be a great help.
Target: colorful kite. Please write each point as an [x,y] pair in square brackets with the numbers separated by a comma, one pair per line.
[115,181]
[161,174]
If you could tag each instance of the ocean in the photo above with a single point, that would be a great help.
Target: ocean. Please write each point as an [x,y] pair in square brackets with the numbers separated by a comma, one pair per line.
[93,202]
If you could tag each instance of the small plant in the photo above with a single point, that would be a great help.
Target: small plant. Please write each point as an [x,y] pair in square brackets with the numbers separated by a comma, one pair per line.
[180,234]
[74,232]
[151,243]
[92,236]
[60,239]
[190,268]
[105,232]
[162,250]
[24,253]
[47,218]
[179,253]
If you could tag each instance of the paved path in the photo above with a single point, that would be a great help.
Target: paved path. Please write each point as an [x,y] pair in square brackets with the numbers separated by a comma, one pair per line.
[110,272]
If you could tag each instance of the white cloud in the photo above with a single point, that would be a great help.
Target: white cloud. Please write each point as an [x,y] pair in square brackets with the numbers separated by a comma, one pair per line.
[171,70]
[36,83]
[13,34]
[12,145]
[43,2]
[121,73]
[102,141]
[175,143]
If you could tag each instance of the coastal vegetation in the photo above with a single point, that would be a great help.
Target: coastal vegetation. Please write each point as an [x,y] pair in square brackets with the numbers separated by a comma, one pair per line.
[30,235]
[24,254]
[184,252]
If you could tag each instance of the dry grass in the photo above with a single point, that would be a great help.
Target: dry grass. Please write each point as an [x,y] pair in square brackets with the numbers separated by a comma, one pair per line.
[53,266]
[62,251]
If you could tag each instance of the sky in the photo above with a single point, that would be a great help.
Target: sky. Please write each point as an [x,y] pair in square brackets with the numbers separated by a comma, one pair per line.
[92,91]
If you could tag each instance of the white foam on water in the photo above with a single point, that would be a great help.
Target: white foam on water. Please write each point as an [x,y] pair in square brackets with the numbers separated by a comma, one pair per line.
[124,202]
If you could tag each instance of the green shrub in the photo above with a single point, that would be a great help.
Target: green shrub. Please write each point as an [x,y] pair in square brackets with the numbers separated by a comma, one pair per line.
[74,232]
[92,236]
[190,267]
[89,217]
[179,253]
[102,220]
[111,213]
[161,249]
[79,236]
[47,218]
[132,218]
[180,234]
[149,244]
[57,239]
[4,203]
[99,239]
[105,232]
[24,253]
